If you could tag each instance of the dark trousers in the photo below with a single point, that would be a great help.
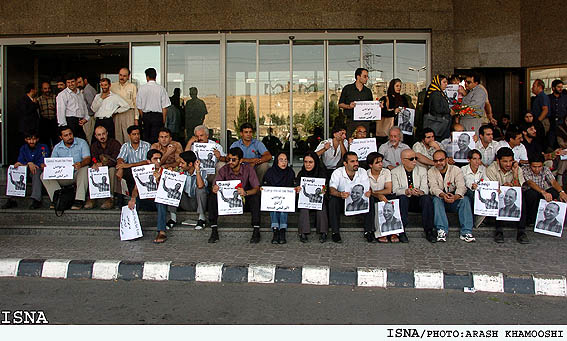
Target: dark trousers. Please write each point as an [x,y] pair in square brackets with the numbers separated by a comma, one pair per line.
[73,123]
[530,203]
[153,122]
[129,178]
[108,123]
[422,204]
[337,208]
[252,201]
[48,132]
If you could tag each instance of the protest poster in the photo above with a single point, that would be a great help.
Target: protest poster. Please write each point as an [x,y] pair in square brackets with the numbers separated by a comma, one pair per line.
[357,202]
[311,193]
[58,168]
[205,154]
[486,199]
[171,185]
[277,199]
[145,181]
[16,181]
[130,227]
[229,201]
[405,120]
[463,143]
[389,218]
[99,183]
[510,203]
[550,218]
[452,92]
[367,111]
[363,147]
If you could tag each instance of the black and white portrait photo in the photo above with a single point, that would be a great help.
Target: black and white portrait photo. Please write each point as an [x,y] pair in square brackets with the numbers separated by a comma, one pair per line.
[16,181]
[151,184]
[209,162]
[228,200]
[311,193]
[405,120]
[171,188]
[389,218]
[358,201]
[510,203]
[99,183]
[463,143]
[173,193]
[550,218]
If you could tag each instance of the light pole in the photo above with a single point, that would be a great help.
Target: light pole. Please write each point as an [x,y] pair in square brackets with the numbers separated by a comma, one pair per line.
[423,68]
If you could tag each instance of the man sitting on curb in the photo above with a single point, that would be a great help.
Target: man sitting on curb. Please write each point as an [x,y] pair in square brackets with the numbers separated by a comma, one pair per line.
[255,152]
[132,154]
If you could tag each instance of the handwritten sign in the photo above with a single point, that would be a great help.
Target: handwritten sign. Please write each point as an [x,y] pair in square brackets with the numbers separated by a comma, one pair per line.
[171,187]
[363,147]
[229,201]
[357,202]
[510,203]
[130,227]
[550,218]
[367,111]
[311,193]
[16,181]
[145,181]
[58,168]
[389,218]
[452,92]
[486,199]
[205,154]
[277,199]
[99,183]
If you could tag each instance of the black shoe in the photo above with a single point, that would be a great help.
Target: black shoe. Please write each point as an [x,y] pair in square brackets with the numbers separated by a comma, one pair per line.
[522,238]
[276,237]
[431,237]
[35,205]
[282,236]
[214,234]
[337,237]
[170,224]
[499,237]
[303,238]
[369,237]
[255,239]
[403,238]
[200,224]
[323,237]
[11,203]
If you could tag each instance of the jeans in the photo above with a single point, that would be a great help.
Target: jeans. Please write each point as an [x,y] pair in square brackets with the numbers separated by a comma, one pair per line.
[462,206]
[279,220]
[161,216]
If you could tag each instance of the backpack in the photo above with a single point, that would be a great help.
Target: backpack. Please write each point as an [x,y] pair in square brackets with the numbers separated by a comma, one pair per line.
[63,199]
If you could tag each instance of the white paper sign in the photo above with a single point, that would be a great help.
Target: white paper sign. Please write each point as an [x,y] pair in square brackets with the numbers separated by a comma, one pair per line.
[99,183]
[563,157]
[205,154]
[463,143]
[406,118]
[277,199]
[130,227]
[367,111]
[510,203]
[229,201]
[357,202]
[311,193]
[58,168]
[452,92]
[486,199]
[171,185]
[16,181]
[145,181]
[550,218]
[363,147]
[389,218]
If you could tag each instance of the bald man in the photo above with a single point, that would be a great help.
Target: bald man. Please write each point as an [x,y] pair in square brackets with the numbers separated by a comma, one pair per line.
[128,91]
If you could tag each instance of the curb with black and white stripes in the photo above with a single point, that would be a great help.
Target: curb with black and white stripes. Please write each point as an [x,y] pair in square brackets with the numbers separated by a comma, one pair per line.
[257,273]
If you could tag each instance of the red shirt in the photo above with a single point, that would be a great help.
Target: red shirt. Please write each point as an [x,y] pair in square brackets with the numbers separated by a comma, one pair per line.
[246,175]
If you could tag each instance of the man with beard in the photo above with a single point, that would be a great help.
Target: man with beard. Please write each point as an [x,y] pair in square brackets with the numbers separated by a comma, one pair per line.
[106,105]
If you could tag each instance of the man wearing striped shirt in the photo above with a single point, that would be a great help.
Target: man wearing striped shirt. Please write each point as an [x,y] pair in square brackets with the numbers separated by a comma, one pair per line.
[132,154]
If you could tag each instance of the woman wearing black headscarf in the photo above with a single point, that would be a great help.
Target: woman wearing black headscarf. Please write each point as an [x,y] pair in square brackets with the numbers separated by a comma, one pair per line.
[312,168]
[279,175]
[436,110]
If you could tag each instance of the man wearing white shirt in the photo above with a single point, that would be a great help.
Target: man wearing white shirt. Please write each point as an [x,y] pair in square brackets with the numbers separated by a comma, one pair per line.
[105,105]
[202,136]
[152,102]
[128,91]
[474,173]
[486,145]
[332,151]
[513,140]
[71,108]
[342,180]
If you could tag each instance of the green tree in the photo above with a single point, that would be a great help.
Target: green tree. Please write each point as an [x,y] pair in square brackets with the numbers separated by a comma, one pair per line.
[245,114]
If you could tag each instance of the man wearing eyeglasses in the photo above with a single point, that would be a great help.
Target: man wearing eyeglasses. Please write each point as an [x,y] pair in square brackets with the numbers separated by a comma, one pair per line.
[409,183]
[447,186]
[476,99]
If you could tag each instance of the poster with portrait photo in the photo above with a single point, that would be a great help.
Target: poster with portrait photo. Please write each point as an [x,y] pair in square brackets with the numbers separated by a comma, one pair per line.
[486,199]
[550,217]
[228,199]
[452,92]
[389,218]
[145,181]
[509,203]
[357,202]
[363,147]
[99,183]
[205,154]
[311,193]
[170,189]
[462,144]
[405,120]
[16,181]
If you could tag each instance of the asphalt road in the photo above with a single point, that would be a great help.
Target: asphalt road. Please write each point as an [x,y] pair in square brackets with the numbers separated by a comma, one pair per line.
[144,302]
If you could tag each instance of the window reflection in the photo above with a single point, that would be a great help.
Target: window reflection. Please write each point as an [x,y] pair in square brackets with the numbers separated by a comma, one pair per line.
[143,57]
[412,67]
[344,59]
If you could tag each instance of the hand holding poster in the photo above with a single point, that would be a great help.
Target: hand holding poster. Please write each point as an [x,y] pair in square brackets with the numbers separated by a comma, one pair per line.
[463,143]
[367,111]
[357,202]
[311,193]
[145,181]
[99,183]
[58,168]
[277,199]
[16,181]
[405,120]
[205,154]
[363,147]
[171,187]
[486,199]
[229,201]
[389,218]
[510,203]
[550,218]
[452,92]
[130,227]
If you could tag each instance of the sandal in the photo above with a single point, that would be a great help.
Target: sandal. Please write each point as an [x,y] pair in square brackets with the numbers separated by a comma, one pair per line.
[160,238]
[383,240]
[394,238]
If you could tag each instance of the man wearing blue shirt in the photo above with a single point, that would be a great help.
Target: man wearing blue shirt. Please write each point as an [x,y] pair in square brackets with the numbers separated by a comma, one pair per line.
[255,152]
[78,149]
[540,103]
[31,156]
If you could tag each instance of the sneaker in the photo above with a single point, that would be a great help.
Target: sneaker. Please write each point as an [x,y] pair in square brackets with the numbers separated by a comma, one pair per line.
[200,225]
[11,203]
[170,224]
[337,238]
[441,236]
[522,238]
[468,238]
[189,222]
[499,237]
[35,205]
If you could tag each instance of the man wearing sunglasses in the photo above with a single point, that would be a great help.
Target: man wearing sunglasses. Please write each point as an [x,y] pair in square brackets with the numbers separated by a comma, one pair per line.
[409,183]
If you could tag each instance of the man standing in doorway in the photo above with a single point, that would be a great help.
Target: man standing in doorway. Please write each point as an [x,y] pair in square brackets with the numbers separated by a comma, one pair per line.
[152,102]
[195,111]
[48,116]
[356,91]
[89,94]
[72,108]
[540,103]
[28,119]
[128,91]
[106,105]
